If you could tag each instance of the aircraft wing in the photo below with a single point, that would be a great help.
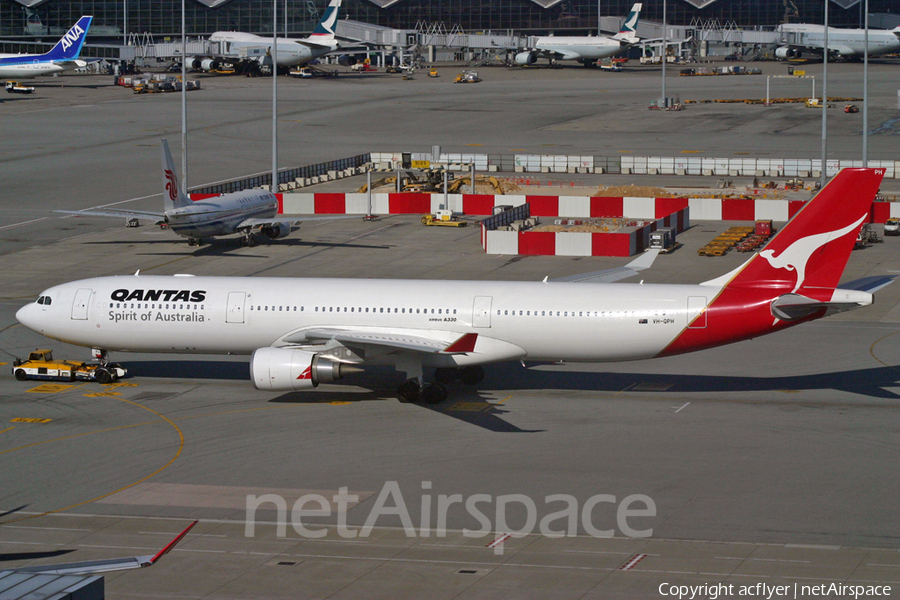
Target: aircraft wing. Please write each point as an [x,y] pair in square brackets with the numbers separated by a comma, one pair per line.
[106,565]
[112,212]
[250,224]
[316,45]
[388,340]
[644,261]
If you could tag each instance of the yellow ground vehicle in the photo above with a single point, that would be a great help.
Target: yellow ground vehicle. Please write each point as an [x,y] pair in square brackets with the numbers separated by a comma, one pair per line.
[433,73]
[445,218]
[14,87]
[40,365]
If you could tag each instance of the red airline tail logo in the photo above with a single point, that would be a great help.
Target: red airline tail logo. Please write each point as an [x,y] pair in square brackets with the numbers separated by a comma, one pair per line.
[171,185]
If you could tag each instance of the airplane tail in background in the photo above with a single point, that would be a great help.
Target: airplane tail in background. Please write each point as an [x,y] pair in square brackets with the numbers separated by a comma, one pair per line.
[629,27]
[795,277]
[69,46]
[324,31]
[173,196]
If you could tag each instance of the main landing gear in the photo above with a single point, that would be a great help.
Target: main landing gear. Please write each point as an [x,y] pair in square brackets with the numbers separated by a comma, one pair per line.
[412,390]
[194,241]
[248,240]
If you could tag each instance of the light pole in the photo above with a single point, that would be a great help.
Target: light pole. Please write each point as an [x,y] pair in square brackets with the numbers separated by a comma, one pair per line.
[865,131]
[664,52]
[184,163]
[274,96]
[824,176]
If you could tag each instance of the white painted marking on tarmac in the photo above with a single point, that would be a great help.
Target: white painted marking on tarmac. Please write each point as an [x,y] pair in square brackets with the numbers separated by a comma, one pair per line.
[44,528]
[682,408]
[14,225]
[175,533]
[783,560]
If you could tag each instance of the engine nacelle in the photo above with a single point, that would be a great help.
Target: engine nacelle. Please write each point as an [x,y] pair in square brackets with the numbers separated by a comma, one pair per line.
[787,52]
[276,230]
[288,369]
[347,60]
[526,58]
[209,64]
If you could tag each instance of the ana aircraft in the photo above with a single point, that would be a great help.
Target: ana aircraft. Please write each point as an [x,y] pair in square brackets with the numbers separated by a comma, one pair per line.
[800,39]
[303,332]
[587,49]
[62,57]
[246,212]
[252,50]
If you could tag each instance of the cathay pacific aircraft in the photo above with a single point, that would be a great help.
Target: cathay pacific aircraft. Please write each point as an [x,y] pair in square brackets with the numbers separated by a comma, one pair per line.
[304,332]
[62,57]
[587,49]
[237,46]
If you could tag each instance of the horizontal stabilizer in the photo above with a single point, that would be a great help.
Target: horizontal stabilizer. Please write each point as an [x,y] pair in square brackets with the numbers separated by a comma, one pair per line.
[118,214]
[642,262]
[868,284]
[792,307]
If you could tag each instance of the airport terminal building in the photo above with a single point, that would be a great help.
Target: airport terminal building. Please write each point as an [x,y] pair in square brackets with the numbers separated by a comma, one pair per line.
[30,19]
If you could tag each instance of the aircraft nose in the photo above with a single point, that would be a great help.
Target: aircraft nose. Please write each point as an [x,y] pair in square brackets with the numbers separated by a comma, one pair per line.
[27,316]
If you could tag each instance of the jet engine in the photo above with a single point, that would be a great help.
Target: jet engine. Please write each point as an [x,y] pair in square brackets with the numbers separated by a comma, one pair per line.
[526,58]
[202,63]
[786,52]
[287,369]
[276,230]
[346,60]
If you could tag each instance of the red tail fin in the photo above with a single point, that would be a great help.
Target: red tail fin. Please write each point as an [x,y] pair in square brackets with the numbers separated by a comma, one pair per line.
[813,248]
[805,260]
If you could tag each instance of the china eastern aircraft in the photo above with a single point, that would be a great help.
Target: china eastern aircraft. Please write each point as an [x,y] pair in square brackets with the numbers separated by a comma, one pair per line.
[303,332]
[62,57]
[245,212]
[587,49]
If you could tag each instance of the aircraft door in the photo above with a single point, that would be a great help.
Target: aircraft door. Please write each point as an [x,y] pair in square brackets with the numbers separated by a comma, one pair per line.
[235,311]
[696,312]
[481,311]
[80,304]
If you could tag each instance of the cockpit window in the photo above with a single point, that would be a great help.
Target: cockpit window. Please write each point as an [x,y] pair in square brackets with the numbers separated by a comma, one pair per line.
[45,300]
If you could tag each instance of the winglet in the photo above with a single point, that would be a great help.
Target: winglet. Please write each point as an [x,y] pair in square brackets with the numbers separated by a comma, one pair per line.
[171,544]
[106,565]
[464,344]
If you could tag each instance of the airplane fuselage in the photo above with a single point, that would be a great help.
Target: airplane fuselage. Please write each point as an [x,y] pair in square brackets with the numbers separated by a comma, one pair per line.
[580,48]
[290,52]
[848,42]
[222,215]
[26,67]
[514,320]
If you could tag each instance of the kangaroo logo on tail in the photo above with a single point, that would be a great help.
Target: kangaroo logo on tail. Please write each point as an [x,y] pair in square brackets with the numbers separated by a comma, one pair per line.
[797,255]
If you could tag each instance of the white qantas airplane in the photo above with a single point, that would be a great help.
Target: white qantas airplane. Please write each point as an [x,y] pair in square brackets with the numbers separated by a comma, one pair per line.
[802,39]
[253,49]
[246,212]
[303,332]
[587,49]
[62,57]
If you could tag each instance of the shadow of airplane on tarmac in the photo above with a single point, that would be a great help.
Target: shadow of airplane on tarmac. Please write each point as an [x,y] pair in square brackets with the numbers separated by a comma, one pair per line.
[474,407]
